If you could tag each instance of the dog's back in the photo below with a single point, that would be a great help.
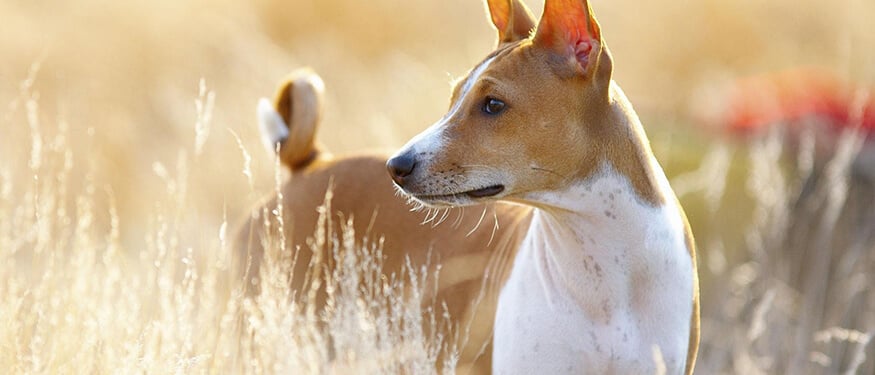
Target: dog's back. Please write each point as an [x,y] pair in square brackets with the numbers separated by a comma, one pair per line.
[363,191]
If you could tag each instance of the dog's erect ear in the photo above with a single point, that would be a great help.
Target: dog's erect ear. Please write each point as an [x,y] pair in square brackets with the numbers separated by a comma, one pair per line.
[512,18]
[569,27]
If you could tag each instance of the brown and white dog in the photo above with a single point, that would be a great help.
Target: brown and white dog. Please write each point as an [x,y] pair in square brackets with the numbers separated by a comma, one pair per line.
[606,275]
[474,255]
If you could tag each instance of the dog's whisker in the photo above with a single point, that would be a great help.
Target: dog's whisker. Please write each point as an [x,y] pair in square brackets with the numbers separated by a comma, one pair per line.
[428,216]
[443,217]
[459,218]
[435,218]
[494,227]
[415,206]
[540,169]
[479,221]
[434,214]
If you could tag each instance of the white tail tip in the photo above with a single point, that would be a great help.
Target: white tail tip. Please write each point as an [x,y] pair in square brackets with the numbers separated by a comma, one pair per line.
[273,129]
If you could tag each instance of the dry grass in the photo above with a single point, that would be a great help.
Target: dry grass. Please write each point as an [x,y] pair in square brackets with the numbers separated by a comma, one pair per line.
[790,295]
[78,300]
[121,177]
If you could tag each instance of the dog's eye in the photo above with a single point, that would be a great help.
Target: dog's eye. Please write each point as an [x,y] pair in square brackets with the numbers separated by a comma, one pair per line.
[493,106]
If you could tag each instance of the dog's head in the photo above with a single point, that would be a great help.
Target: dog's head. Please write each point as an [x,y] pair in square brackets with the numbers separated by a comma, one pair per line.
[531,117]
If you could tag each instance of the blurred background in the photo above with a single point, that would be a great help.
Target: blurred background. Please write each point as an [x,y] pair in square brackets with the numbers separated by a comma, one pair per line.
[130,70]
[746,103]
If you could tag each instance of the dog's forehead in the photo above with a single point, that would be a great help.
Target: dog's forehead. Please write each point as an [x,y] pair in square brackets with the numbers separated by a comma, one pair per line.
[492,64]
[505,52]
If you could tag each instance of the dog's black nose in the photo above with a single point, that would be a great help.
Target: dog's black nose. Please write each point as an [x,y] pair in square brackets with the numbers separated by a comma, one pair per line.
[400,167]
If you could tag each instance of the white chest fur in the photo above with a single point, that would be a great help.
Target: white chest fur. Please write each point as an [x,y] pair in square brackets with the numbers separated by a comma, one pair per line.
[601,279]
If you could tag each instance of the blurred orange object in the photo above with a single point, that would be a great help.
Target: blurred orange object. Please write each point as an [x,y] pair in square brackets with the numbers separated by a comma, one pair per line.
[802,102]
[794,97]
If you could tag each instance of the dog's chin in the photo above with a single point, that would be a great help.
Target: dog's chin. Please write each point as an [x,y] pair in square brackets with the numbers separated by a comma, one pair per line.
[456,199]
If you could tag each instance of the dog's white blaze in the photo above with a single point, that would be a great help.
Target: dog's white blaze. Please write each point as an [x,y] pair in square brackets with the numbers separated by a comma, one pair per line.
[466,87]
[431,139]
[273,129]
[600,278]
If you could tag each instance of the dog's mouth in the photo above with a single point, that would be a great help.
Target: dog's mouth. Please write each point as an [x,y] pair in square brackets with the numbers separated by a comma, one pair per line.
[489,191]
[460,197]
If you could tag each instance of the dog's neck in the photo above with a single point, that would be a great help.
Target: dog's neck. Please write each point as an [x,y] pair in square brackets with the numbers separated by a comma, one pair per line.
[636,174]
[618,256]
[598,232]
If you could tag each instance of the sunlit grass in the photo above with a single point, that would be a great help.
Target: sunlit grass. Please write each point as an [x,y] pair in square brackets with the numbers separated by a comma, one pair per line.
[76,300]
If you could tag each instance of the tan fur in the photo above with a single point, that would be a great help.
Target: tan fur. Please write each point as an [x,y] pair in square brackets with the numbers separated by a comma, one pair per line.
[473,266]
[694,322]
[301,105]
[562,122]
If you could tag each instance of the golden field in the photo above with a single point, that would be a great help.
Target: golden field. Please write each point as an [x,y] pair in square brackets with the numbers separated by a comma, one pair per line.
[129,151]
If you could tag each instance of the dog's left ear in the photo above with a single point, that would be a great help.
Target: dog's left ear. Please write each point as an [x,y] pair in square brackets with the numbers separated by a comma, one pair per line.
[511,18]
[569,28]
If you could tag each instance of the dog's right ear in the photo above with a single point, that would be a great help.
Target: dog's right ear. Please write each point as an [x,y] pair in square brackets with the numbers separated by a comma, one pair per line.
[291,120]
[512,19]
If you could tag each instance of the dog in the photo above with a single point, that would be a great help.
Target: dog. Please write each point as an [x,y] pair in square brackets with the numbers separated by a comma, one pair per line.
[605,279]
[473,253]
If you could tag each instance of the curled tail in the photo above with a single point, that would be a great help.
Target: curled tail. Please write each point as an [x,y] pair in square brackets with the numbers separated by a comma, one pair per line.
[291,120]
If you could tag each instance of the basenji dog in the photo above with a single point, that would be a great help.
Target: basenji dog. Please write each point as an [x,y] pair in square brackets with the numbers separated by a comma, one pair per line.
[473,253]
[605,280]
